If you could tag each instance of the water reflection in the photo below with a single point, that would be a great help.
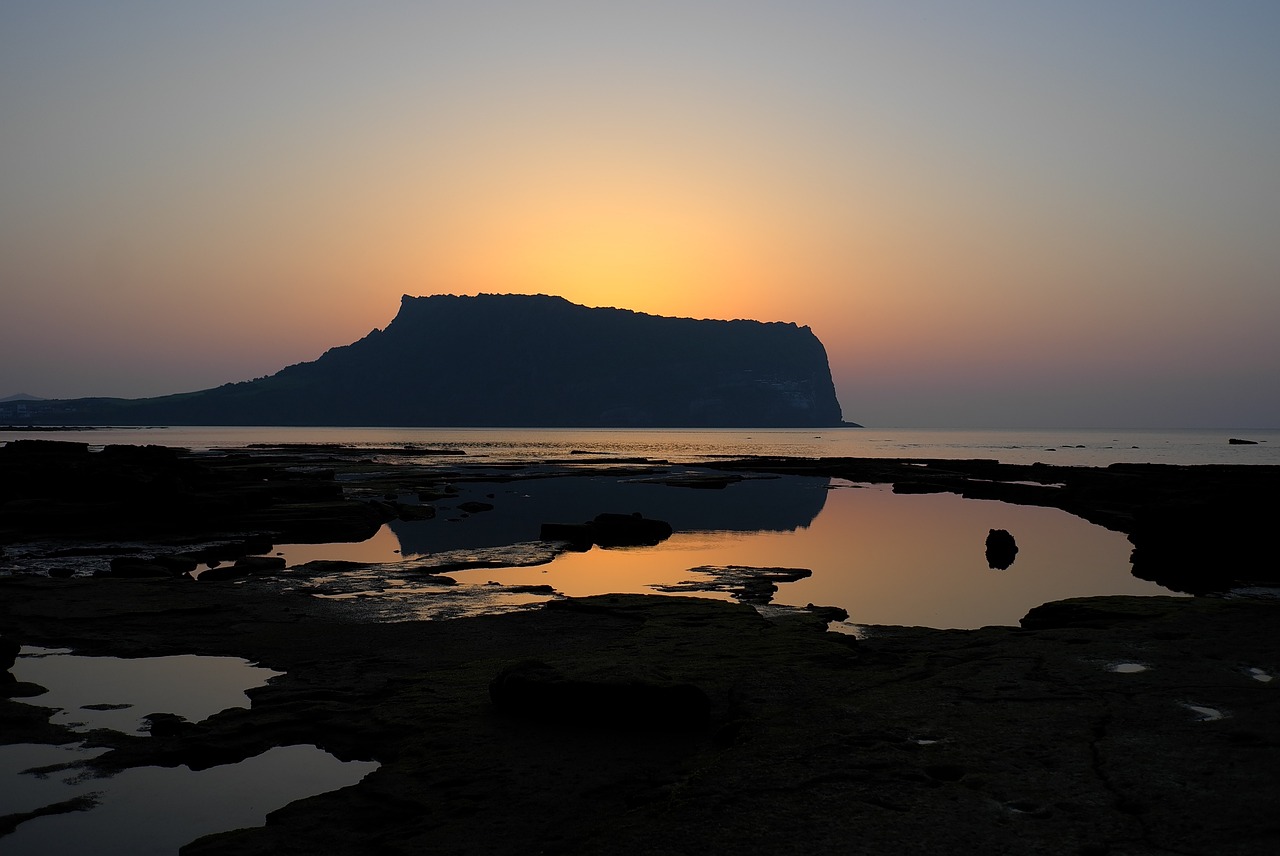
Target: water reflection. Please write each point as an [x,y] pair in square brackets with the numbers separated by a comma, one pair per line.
[519,508]
[919,559]
[156,810]
[146,810]
[116,693]
[886,558]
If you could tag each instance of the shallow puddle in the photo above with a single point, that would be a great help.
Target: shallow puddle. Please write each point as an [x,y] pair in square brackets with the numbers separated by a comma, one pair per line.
[117,692]
[146,810]
[1205,714]
[156,810]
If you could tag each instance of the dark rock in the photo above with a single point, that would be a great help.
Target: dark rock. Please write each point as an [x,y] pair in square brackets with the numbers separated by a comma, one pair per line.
[8,653]
[232,550]
[45,449]
[628,530]
[11,688]
[224,572]
[132,567]
[748,584]
[150,456]
[62,573]
[243,567]
[436,579]
[169,725]
[438,492]
[1236,441]
[535,690]
[84,802]
[409,511]
[609,530]
[577,534]
[475,506]
[1001,549]
[828,613]
[177,565]
[1092,613]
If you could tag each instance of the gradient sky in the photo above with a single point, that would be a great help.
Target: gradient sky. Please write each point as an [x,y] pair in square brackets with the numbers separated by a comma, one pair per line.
[1051,214]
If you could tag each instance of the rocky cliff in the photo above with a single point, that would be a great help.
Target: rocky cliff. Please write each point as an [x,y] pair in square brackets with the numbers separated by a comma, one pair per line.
[520,360]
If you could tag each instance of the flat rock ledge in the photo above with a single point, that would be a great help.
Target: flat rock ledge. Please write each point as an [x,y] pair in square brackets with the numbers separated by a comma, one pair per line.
[1103,726]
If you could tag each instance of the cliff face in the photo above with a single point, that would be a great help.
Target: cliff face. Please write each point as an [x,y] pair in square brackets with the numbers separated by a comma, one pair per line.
[520,360]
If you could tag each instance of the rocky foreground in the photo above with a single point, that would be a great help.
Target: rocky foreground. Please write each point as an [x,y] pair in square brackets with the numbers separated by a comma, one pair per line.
[665,725]
[629,724]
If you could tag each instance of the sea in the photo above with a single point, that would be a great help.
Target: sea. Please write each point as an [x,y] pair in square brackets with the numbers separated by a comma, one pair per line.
[1094,447]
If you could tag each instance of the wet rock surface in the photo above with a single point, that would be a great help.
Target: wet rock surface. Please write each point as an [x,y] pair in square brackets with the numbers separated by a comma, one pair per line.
[786,739]
[775,736]
[58,489]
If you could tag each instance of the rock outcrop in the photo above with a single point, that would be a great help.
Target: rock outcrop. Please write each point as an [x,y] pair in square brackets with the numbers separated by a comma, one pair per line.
[518,360]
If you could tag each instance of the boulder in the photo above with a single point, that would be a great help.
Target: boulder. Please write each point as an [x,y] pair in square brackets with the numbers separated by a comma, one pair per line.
[1001,549]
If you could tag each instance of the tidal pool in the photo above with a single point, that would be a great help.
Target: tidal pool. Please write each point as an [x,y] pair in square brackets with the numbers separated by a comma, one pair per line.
[146,810]
[885,558]
[156,810]
[117,692]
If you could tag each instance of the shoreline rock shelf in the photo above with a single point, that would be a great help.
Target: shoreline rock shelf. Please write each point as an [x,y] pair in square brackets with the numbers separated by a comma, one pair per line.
[776,736]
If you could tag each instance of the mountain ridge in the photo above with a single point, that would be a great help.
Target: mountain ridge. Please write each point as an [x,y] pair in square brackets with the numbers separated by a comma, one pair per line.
[505,360]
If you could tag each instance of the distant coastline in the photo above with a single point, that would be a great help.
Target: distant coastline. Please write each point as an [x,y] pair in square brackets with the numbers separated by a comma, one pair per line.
[1093,447]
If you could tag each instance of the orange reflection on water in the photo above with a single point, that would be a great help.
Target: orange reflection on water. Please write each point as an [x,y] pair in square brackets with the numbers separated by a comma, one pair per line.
[921,560]
[887,559]
[382,547]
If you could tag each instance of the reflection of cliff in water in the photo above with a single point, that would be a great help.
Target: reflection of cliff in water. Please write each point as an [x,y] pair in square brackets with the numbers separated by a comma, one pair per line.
[521,507]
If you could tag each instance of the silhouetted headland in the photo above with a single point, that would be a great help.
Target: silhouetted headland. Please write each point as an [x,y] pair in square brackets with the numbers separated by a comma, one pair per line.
[515,360]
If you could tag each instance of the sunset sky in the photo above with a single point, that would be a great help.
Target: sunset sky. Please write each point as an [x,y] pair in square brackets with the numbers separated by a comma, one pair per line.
[1050,214]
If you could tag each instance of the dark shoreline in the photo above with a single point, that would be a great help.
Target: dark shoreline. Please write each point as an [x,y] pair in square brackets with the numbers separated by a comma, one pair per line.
[1003,740]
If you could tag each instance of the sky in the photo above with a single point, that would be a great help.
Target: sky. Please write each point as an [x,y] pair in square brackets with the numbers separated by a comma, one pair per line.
[993,214]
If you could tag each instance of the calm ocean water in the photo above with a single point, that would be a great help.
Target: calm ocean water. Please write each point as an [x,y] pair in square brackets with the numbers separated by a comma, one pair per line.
[1076,447]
